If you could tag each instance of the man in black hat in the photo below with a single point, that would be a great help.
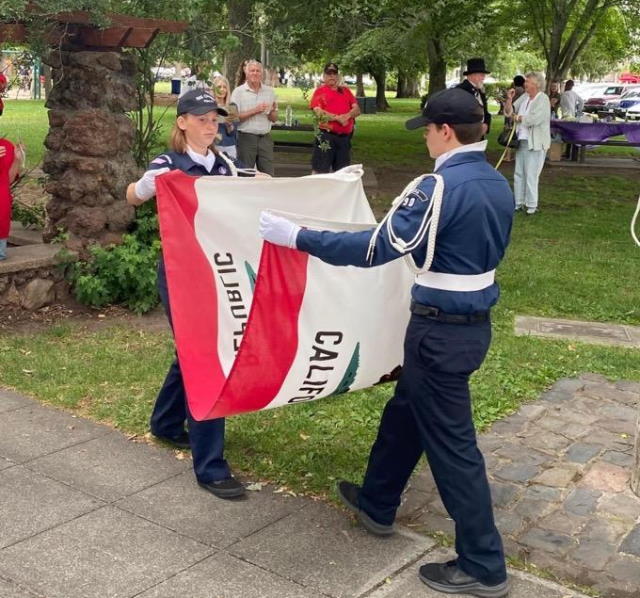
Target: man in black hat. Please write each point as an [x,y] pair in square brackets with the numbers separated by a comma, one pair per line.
[455,225]
[337,108]
[474,83]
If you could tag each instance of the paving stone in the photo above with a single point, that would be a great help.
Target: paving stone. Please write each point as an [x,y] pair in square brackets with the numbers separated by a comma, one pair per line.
[436,506]
[548,441]
[9,589]
[5,463]
[582,452]
[523,455]
[561,567]
[555,396]
[605,477]
[548,541]
[222,576]
[489,442]
[180,504]
[43,503]
[432,523]
[624,506]
[509,523]
[311,542]
[40,431]
[539,492]
[611,440]
[422,479]
[616,411]
[503,494]
[619,426]
[570,413]
[569,385]
[532,411]
[562,522]
[622,577]
[105,553]
[110,467]
[582,501]
[506,427]
[517,472]
[602,529]
[593,554]
[559,477]
[412,501]
[532,510]
[593,377]
[629,387]
[10,401]
[631,543]
[618,458]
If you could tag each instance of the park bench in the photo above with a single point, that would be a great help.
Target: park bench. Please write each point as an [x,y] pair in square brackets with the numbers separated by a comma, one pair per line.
[582,146]
[295,147]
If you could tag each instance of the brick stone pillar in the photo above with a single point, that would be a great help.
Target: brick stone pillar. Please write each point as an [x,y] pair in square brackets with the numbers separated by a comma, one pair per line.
[635,474]
[89,160]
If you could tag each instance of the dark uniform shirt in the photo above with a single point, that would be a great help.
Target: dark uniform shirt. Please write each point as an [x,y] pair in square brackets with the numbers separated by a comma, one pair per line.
[473,232]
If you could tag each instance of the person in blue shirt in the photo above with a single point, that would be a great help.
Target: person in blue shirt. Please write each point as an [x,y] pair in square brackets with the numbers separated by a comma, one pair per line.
[193,152]
[455,225]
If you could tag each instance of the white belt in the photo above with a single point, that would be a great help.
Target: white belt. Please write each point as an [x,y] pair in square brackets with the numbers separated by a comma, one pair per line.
[456,282]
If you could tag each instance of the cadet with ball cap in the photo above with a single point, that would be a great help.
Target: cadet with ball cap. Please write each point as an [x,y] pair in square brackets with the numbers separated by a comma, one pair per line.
[198,102]
[455,225]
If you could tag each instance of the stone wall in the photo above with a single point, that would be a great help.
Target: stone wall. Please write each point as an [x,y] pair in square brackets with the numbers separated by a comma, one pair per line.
[32,289]
[89,143]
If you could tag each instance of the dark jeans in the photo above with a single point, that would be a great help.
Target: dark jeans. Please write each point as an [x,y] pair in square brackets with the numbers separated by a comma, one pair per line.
[430,412]
[171,411]
[331,152]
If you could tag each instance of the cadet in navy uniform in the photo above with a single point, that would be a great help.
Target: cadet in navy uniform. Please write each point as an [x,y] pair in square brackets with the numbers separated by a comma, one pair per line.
[193,152]
[447,338]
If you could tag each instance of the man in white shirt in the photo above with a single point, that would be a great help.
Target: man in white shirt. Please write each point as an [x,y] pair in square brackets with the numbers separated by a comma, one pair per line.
[257,110]
[570,102]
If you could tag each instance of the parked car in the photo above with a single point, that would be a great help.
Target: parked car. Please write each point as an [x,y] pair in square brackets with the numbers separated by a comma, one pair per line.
[626,102]
[598,103]
[589,90]
[633,112]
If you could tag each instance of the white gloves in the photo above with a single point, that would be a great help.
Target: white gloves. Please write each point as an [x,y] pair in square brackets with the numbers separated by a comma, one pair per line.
[278,230]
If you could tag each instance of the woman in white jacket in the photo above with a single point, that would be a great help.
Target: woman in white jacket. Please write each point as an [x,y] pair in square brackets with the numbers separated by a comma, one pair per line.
[532,115]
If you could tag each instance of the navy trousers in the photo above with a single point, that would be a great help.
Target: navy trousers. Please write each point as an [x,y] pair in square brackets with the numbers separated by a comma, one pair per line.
[171,411]
[430,412]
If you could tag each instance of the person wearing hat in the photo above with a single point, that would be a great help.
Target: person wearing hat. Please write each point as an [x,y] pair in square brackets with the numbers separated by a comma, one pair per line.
[336,108]
[474,84]
[446,340]
[257,111]
[194,153]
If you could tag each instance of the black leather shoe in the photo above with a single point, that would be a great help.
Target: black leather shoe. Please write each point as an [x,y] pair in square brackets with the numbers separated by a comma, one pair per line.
[348,494]
[450,579]
[227,488]
[181,441]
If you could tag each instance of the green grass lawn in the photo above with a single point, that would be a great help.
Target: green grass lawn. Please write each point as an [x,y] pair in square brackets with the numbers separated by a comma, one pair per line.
[574,259]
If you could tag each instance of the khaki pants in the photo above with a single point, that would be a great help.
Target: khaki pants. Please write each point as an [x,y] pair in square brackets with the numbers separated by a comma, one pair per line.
[256,150]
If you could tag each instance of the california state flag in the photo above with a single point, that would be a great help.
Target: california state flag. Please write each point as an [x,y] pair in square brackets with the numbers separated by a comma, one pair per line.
[258,325]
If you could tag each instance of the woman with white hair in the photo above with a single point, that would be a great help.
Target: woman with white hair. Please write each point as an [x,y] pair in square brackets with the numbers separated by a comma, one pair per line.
[532,110]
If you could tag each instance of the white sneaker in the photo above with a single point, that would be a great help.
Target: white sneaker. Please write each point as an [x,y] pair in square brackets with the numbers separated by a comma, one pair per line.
[531,210]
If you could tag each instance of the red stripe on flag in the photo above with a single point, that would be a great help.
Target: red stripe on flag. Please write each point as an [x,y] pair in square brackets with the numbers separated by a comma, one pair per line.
[270,342]
[192,292]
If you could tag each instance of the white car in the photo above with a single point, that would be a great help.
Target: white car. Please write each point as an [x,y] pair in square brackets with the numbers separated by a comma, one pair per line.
[590,90]
[633,112]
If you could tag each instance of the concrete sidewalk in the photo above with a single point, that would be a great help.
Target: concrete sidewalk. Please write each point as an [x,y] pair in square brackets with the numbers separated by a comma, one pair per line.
[86,513]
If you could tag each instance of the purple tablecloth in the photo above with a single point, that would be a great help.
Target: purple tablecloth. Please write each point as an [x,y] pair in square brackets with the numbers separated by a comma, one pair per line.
[584,132]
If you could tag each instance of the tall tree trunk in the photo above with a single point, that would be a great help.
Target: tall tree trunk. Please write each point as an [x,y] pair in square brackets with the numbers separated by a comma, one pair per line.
[437,66]
[359,85]
[239,21]
[407,86]
[380,78]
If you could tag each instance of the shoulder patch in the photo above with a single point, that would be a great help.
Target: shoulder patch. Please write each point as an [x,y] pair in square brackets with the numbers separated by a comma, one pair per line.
[415,195]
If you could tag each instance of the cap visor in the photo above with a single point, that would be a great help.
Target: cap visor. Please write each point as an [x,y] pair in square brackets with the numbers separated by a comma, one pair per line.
[206,109]
[416,122]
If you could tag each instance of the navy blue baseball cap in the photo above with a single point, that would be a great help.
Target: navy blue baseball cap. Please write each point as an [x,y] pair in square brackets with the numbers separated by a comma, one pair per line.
[198,101]
[451,106]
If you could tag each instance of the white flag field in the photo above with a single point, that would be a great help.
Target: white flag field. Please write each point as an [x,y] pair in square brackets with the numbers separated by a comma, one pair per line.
[257,325]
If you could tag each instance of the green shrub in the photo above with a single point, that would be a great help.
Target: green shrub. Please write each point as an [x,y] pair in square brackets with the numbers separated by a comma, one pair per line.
[122,274]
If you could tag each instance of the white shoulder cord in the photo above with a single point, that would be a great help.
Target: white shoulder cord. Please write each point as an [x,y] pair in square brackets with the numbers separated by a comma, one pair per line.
[428,225]
[230,164]
[633,224]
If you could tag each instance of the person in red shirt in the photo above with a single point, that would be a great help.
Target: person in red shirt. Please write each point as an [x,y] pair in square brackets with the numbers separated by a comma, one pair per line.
[3,88]
[10,162]
[337,108]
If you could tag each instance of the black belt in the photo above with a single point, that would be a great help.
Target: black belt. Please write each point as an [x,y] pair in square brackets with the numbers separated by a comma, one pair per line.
[433,313]
[254,134]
